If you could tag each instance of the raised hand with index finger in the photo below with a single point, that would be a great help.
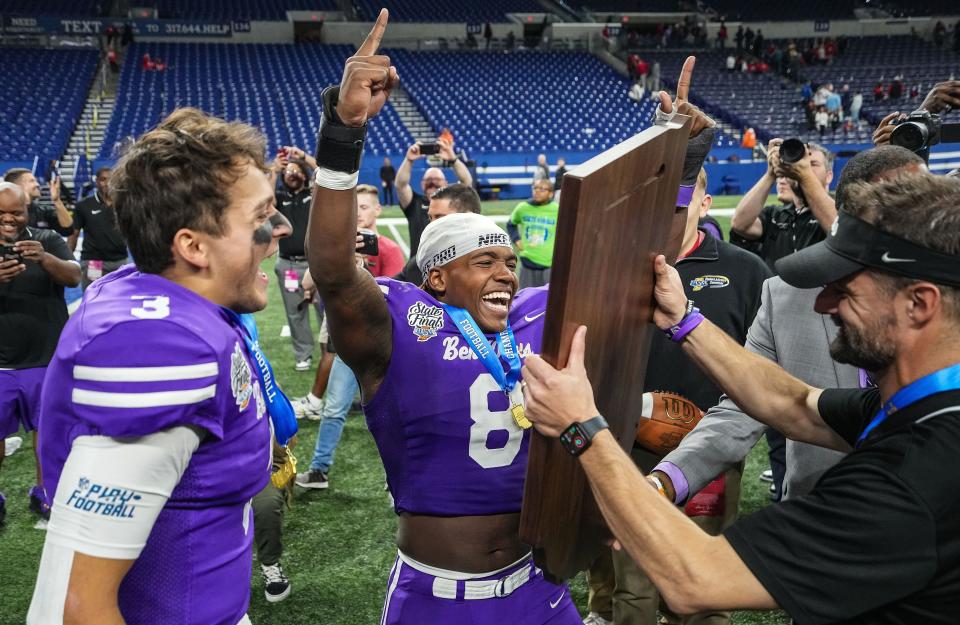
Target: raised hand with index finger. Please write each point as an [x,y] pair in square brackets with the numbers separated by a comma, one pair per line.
[681,104]
[367,80]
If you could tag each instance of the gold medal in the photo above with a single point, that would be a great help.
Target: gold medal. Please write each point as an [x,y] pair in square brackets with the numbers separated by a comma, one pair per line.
[520,417]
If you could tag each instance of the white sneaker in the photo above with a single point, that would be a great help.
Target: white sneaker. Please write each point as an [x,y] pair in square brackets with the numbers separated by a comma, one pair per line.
[304,365]
[276,586]
[307,407]
[11,445]
[595,619]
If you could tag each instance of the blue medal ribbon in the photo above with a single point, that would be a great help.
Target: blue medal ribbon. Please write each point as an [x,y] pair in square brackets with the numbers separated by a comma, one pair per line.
[278,406]
[478,343]
[937,382]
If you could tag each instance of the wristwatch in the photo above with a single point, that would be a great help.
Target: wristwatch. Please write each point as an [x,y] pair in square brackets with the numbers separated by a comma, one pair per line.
[576,439]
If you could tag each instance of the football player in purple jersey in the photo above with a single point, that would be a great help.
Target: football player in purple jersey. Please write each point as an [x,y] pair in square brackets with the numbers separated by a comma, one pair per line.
[154,429]
[438,367]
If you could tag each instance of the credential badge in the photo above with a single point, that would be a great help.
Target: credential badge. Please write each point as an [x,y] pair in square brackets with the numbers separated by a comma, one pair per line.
[425,320]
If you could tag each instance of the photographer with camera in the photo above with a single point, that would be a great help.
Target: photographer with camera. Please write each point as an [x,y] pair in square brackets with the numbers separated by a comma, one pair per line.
[802,174]
[57,218]
[415,205]
[35,265]
[924,127]
[293,167]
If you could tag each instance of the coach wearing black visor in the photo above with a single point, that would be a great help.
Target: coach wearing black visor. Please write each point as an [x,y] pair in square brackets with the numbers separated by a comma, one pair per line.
[878,539]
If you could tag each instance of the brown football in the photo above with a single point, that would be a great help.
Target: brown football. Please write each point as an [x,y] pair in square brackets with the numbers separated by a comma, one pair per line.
[665,419]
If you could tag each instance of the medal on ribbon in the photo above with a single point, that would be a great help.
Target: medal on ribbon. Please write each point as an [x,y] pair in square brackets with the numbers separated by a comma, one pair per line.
[507,380]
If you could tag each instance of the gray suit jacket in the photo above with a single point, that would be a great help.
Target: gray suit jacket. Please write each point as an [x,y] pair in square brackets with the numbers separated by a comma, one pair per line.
[787,331]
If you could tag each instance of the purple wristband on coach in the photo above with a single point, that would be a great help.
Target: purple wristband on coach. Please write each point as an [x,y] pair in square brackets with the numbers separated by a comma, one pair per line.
[690,321]
[679,480]
[685,194]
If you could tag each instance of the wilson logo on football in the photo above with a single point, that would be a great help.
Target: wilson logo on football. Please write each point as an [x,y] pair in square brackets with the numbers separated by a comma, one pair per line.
[709,282]
[679,409]
[425,320]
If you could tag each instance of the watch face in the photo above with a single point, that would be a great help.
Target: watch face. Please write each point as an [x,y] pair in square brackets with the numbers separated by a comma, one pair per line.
[574,439]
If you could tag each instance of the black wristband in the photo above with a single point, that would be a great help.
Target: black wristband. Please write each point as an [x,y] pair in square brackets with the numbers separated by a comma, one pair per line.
[339,147]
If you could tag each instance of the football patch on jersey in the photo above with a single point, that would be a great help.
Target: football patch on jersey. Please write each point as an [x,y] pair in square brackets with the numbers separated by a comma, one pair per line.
[709,282]
[425,320]
[240,377]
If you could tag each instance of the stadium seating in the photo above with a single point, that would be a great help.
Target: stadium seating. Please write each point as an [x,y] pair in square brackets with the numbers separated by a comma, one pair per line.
[525,101]
[631,6]
[275,87]
[45,94]
[227,10]
[878,59]
[63,8]
[736,10]
[441,11]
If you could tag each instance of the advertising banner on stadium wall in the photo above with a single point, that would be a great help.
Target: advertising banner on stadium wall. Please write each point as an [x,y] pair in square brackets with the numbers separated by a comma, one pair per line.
[44,25]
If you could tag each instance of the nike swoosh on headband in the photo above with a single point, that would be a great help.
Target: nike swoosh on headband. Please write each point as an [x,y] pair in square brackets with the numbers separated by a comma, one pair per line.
[890,259]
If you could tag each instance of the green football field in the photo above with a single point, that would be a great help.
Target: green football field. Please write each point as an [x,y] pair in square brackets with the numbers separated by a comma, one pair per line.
[338,544]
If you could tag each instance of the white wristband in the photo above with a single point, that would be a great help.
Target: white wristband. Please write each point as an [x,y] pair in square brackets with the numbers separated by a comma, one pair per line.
[336,180]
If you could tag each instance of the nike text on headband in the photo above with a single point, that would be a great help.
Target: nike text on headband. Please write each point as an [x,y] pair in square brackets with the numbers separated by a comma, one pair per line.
[854,244]
[448,238]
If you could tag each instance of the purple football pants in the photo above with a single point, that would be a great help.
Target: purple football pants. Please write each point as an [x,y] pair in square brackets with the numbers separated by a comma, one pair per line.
[20,399]
[518,595]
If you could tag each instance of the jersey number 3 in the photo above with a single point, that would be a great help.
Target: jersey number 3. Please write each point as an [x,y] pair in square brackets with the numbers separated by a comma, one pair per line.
[151,306]
[486,421]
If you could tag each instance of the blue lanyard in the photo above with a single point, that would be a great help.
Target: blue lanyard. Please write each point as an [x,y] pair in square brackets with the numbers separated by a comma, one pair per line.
[937,382]
[278,406]
[478,343]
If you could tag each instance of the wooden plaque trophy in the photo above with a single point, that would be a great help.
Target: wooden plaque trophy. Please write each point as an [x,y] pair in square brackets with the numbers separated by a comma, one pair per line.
[617,212]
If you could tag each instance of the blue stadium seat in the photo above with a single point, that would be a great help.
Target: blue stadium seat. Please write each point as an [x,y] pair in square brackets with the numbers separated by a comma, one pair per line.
[46,90]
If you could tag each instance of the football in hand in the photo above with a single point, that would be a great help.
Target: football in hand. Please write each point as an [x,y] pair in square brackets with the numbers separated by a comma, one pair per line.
[665,419]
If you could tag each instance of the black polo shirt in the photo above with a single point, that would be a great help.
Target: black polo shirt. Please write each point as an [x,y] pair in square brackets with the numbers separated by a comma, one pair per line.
[295,206]
[32,308]
[725,283]
[417,219]
[878,540]
[786,231]
[101,236]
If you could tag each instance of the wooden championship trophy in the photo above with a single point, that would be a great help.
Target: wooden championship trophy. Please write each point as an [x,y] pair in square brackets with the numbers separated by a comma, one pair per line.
[617,212]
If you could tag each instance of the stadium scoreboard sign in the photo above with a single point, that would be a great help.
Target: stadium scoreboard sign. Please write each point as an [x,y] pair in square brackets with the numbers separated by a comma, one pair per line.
[44,25]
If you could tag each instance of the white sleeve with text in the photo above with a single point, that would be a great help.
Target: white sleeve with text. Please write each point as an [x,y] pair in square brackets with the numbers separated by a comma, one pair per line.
[109,495]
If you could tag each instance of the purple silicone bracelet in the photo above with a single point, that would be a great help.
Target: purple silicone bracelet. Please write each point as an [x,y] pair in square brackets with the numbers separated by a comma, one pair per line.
[690,321]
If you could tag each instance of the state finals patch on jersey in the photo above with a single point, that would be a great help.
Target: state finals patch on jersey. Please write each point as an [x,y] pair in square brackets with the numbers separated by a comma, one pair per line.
[709,282]
[425,320]
[241,383]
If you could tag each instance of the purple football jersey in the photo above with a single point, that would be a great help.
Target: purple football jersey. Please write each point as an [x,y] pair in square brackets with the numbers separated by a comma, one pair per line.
[140,355]
[443,426]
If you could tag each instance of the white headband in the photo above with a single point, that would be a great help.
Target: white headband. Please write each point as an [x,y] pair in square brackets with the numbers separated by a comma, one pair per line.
[456,235]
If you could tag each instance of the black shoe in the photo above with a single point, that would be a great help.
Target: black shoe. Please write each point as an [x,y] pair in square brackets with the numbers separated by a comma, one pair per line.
[3,508]
[314,478]
[38,503]
[276,586]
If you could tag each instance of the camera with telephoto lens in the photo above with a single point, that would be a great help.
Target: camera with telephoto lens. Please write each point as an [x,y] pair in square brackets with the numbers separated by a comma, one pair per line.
[922,129]
[792,150]
[918,131]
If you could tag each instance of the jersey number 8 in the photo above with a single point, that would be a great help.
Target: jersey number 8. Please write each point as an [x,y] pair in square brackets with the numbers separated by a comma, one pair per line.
[486,421]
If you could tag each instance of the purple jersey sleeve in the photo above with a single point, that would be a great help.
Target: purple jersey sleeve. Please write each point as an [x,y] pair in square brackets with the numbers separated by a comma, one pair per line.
[144,376]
